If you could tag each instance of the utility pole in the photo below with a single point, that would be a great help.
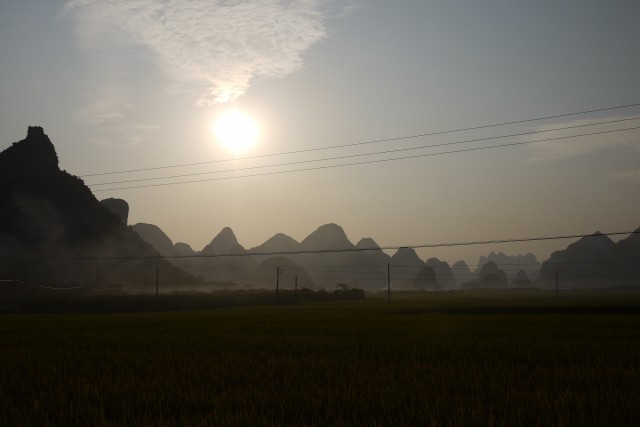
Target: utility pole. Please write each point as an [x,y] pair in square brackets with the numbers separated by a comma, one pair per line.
[157,287]
[295,289]
[278,273]
[388,283]
[556,283]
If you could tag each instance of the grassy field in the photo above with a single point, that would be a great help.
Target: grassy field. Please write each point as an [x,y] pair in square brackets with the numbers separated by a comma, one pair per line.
[525,358]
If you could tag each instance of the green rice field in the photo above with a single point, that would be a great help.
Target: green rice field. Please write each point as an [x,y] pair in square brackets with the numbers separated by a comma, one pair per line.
[474,358]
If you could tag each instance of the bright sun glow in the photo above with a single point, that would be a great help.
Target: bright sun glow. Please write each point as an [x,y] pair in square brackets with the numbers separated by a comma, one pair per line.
[236,131]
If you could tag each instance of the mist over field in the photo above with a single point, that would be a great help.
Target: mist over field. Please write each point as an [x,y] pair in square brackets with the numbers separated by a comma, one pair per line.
[319,212]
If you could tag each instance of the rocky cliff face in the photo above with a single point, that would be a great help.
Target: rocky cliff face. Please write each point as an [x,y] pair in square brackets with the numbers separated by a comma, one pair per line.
[33,157]
[58,232]
[118,207]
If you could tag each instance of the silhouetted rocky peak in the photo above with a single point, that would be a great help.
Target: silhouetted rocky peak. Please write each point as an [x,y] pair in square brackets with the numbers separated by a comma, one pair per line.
[183,249]
[33,156]
[435,262]
[444,277]
[500,258]
[52,214]
[118,207]
[327,237]
[596,247]
[154,236]
[489,267]
[224,243]
[279,243]
[596,244]
[426,279]
[522,280]
[592,262]
[510,264]
[406,257]
[492,277]
[367,243]
[630,247]
[461,272]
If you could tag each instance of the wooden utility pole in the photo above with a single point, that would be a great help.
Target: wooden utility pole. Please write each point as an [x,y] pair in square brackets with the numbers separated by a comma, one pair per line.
[556,283]
[278,273]
[295,289]
[388,283]
[157,286]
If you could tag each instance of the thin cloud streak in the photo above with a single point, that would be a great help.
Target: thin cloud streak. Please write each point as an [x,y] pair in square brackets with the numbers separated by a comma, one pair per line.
[103,112]
[210,50]
[629,176]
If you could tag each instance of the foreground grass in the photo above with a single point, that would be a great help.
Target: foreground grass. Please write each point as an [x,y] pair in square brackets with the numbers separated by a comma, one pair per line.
[325,364]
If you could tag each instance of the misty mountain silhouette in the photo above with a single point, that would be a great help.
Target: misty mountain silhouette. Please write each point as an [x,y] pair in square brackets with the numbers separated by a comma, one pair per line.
[489,277]
[327,237]
[426,279]
[444,277]
[406,257]
[55,231]
[183,249]
[461,272]
[153,235]
[367,269]
[367,243]
[510,264]
[626,258]
[215,265]
[405,265]
[373,255]
[594,261]
[522,280]
[277,244]
[225,242]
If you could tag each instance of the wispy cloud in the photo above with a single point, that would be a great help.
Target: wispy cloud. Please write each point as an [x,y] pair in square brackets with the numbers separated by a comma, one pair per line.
[104,112]
[630,176]
[628,140]
[209,49]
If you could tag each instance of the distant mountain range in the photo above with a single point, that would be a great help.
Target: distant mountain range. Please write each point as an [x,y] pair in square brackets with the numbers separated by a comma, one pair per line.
[52,229]
[511,264]
[328,257]
[325,258]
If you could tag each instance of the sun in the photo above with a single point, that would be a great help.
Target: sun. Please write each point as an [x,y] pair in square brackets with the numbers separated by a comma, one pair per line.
[236,131]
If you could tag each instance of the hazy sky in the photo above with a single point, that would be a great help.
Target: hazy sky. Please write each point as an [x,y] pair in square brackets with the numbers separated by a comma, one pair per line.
[121,85]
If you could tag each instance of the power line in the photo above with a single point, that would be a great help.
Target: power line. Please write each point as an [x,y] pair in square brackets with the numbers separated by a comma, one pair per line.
[376,141]
[328,158]
[37,193]
[364,162]
[396,150]
[345,250]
